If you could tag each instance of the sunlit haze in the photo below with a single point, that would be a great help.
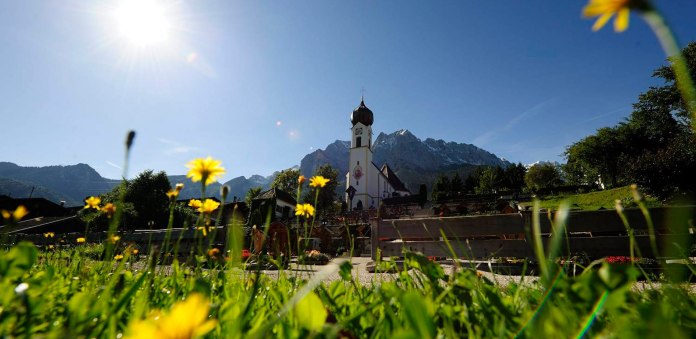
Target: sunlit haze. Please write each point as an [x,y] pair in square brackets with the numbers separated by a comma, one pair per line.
[142,22]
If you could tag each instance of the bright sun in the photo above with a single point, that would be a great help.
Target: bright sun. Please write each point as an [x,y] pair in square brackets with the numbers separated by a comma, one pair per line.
[142,23]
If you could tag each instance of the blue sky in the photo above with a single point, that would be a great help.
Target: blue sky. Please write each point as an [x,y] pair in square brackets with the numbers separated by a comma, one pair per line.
[259,84]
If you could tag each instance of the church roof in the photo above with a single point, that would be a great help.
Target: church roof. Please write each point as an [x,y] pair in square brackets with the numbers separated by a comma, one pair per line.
[362,114]
[393,180]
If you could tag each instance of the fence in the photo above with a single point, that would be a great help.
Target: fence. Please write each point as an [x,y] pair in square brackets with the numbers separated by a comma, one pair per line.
[594,233]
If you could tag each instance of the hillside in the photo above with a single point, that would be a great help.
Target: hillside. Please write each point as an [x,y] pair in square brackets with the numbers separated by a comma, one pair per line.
[69,183]
[595,200]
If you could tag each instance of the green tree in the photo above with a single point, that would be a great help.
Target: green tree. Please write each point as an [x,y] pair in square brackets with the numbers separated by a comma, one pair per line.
[287,180]
[145,206]
[598,158]
[514,176]
[251,194]
[456,185]
[441,188]
[542,176]
[488,181]
[668,171]
[148,194]
[471,183]
[422,195]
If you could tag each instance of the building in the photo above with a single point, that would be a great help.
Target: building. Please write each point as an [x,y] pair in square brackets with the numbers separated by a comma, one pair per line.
[280,202]
[367,184]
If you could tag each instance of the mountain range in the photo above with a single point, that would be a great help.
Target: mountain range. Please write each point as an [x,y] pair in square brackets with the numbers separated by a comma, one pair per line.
[415,161]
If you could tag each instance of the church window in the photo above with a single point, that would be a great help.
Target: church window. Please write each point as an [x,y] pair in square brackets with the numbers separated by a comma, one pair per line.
[358,142]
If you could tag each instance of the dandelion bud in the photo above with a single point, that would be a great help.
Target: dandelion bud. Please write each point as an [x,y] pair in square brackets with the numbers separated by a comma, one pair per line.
[619,206]
[129,139]
[301,179]
[21,289]
[224,191]
[179,187]
[636,195]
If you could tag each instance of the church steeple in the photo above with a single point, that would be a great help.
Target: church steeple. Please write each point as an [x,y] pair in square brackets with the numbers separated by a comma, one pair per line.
[362,114]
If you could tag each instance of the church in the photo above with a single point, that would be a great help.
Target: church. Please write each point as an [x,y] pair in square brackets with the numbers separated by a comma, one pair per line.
[366,184]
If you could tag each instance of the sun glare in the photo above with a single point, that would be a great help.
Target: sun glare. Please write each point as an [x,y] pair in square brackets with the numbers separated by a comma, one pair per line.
[142,22]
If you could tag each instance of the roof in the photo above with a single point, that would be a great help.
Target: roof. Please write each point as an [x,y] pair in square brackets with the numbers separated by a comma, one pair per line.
[275,193]
[67,224]
[393,179]
[362,114]
[37,207]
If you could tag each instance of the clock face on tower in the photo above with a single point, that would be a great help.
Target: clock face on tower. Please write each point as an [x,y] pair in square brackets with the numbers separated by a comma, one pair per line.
[358,131]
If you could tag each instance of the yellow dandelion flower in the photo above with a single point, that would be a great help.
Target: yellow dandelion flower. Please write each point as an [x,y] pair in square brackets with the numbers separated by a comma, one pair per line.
[206,169]
[81,240]
[93,202]
[174,192]
[187,319]
[195,203]
[135,251]
[318,181]
[301,179]
[305,210]
[49,235]
[606,9]
[208,206]
[118,257]
[109,209]
[115,238]
[17,215]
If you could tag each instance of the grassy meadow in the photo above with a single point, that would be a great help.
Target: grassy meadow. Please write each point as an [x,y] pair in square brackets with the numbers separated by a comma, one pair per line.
[593,201]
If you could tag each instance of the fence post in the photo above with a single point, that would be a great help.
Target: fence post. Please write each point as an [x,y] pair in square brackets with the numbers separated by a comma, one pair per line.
[374,234]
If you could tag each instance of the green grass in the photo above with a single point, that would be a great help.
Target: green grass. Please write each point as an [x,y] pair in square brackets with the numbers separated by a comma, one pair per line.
[595,200]
[69,295]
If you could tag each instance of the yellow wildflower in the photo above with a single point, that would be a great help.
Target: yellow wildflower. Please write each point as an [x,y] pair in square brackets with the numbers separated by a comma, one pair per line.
[206,170]
[115,238]
[118,257]
[174,192]
[187,319]
[203,230]
[93,202]
[50,247]
[109,209]
[195,203]
[301,179]
[81,240]
[134,251]
[19,213]
[606,9]
[318,181]
[208,206]
[49,235]
[305,210]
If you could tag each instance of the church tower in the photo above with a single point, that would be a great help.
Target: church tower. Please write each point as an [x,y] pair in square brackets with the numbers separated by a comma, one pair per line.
[359,190]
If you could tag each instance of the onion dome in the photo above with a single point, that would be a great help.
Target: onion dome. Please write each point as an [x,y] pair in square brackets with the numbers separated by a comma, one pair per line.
[362,114]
